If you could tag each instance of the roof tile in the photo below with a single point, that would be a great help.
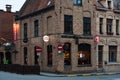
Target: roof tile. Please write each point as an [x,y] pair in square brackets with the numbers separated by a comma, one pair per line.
[34,5]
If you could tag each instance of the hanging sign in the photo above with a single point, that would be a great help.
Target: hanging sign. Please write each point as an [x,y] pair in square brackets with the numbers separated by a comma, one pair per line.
[97,39]
[45,38]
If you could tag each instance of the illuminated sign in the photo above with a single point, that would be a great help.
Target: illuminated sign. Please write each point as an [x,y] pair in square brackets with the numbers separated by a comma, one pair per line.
[46,38]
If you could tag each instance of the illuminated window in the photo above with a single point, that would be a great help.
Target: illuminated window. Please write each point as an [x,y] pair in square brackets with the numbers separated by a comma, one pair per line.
[84,54]
[67,53]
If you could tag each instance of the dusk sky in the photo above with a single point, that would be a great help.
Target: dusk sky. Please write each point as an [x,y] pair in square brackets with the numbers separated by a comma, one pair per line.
[16,4]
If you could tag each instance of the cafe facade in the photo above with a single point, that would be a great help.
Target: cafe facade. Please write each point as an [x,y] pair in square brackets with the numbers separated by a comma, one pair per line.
[69,36]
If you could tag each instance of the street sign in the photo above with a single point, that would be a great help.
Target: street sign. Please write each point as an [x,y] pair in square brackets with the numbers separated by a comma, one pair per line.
[46,38]
[59,48]
[38,49]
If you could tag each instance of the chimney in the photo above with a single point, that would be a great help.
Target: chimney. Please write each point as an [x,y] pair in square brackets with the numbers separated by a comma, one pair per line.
[8,8]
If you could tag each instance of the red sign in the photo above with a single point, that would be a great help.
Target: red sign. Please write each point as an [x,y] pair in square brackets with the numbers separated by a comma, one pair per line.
[38,49]
[60,47]
[97,39]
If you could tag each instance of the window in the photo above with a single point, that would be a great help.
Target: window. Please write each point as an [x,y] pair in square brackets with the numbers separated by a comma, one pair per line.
[78,2]
[25,39]
[84,54]
[67,53]
[25,30]
[112,53]
[109,4]
[49,55]
[68,24]
[117,27]
[109,27]
[25,55]
[50,23]
[36,30]
[36,57]
[86,26]
[101,25]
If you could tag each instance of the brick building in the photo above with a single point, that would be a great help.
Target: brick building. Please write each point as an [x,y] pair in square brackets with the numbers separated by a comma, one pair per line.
[6,31]
[79,35]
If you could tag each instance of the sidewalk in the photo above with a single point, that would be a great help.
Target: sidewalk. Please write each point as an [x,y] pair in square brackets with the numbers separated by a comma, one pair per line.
[74,75]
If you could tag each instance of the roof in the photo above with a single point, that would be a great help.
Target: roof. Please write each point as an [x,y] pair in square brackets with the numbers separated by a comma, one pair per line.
[31,6]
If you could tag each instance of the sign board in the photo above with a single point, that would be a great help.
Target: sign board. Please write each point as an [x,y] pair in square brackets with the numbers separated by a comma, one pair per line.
[38,49]
[97,38]
[46,38]
[60,47]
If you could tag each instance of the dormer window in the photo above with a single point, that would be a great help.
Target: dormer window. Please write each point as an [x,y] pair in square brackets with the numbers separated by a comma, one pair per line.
[109,4]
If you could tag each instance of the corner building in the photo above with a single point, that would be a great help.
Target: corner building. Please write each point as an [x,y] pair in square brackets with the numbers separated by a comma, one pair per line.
[87,30]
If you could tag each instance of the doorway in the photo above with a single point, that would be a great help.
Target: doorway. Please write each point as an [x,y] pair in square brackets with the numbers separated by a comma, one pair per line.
[100,56]
[67,56]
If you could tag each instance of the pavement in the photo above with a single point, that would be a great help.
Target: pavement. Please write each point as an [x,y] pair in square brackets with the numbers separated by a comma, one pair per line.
[78,74]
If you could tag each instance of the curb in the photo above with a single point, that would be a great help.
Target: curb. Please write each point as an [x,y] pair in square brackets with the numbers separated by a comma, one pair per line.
[75,75]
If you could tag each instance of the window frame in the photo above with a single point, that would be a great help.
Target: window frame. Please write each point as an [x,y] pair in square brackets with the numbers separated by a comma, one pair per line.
[117,27]
[68,24]
[109,25]
[84,54]
[112,53]
[67,54]
[101,25]
[86,26]
[76,2]
[25,31]
[36,28]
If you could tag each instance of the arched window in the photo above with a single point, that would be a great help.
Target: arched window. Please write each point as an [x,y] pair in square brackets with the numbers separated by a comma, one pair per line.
[84,54]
